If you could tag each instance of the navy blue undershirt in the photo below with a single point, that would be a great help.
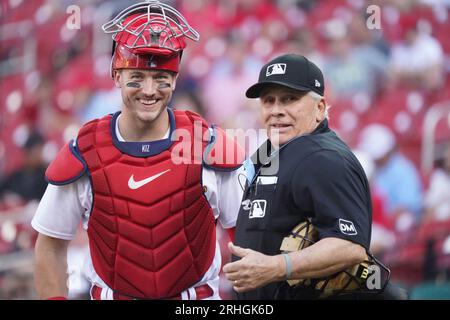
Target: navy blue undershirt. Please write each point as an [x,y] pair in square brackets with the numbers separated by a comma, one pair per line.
[146,148]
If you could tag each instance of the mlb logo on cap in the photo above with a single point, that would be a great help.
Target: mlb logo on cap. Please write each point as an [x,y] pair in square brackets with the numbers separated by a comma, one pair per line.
[276,68]
[302,75]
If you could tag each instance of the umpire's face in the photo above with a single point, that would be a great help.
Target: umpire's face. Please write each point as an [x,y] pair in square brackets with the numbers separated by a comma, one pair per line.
[289,113]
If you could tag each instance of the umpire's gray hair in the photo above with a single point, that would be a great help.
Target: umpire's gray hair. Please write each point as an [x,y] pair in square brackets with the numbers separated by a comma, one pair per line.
[318,97]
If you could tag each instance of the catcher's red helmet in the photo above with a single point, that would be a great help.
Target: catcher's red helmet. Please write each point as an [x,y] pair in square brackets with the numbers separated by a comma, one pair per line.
[149,35]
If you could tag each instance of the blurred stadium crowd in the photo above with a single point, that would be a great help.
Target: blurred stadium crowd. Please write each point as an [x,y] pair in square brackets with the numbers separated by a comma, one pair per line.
[389,88]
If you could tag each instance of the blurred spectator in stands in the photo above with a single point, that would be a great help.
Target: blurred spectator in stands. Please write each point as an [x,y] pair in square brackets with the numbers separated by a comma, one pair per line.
[304,42]
[418,60]
[74,86]
[188,100]
[395,176]
[352,70]
[16,284]
[383,237]
[28,182]
[437,197]
[365,38]
[224,88]
[100,103]
[50,119]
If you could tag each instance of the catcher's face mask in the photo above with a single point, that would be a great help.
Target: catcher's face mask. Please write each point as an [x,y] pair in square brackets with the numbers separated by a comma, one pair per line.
[352,280]
[149,35]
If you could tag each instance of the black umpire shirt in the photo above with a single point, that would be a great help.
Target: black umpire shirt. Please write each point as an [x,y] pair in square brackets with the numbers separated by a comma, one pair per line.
[317,177]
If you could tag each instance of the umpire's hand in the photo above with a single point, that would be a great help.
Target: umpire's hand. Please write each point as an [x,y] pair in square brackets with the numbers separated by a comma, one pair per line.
[254,269]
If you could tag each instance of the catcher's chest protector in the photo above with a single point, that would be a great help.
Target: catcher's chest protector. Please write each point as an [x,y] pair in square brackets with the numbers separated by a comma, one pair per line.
[151,230]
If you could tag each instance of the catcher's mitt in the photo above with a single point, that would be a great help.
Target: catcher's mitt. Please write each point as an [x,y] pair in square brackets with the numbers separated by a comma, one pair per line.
[351,280]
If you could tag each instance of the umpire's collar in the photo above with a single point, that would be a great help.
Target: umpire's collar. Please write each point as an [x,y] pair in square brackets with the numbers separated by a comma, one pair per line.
[321,128]
[259,159]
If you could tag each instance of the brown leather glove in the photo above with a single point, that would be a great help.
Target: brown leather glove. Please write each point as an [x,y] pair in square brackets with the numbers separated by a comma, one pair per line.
[350,280]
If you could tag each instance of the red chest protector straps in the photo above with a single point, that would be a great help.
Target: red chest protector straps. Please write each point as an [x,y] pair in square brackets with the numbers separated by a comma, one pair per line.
[151,230]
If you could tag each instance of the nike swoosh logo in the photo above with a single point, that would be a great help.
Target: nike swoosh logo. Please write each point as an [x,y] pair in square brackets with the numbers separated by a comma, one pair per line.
[133,185]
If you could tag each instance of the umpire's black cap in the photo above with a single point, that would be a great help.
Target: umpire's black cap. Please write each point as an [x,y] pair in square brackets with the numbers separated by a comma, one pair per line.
[290,70]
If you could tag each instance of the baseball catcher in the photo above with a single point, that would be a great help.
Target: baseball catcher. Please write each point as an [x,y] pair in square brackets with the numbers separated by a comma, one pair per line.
[149,182]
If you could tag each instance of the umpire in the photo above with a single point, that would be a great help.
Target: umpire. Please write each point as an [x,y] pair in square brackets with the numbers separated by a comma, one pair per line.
[302,171]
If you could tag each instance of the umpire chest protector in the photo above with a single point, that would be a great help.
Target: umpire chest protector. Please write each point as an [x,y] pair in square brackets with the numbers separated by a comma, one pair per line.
[151,229]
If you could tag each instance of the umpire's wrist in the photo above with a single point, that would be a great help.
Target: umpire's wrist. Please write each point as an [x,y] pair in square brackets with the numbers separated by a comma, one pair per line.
[280,267]
[288,266]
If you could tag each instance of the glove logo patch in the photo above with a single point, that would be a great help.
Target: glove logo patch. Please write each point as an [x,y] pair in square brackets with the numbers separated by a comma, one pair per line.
[258,209]
[347,227]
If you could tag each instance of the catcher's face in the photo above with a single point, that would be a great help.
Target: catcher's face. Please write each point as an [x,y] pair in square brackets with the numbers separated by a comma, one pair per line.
[145,93]
[289,113]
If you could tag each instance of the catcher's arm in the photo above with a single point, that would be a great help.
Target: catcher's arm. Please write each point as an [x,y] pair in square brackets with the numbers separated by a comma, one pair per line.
[323,258]
[50,272]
